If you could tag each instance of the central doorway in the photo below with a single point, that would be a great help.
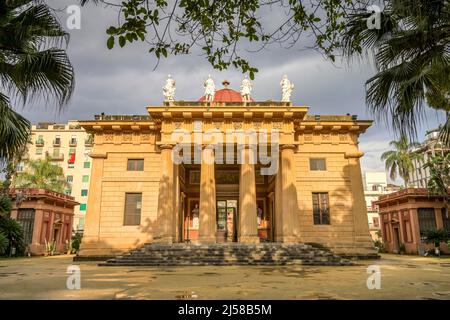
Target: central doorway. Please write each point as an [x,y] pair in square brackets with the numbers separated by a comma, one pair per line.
[227,211]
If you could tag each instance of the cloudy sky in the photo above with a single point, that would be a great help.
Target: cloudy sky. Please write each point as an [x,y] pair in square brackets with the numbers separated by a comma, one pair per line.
[123,81]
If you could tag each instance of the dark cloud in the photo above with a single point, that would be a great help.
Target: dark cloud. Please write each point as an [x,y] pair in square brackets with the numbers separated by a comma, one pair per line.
[123,81]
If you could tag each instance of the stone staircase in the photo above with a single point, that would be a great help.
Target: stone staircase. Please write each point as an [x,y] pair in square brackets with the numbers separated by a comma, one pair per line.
[227,254]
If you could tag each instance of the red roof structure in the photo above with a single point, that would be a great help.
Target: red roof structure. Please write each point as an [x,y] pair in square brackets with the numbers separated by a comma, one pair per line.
[225,95]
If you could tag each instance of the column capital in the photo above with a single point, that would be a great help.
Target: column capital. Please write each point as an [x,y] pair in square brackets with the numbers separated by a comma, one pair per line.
[288,146]
[353,155]
[98,155]
[166,146]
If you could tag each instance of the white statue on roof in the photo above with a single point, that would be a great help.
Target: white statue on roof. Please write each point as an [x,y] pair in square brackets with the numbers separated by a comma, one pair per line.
[169,88]
[246,89]
[210,89]
[286,89]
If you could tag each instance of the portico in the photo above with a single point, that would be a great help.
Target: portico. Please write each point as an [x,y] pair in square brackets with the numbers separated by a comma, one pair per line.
[209,132]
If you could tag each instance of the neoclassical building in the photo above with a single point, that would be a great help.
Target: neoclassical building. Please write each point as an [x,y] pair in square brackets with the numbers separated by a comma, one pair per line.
[226,168]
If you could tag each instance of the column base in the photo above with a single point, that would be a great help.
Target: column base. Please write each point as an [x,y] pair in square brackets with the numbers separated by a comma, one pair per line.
[249,239]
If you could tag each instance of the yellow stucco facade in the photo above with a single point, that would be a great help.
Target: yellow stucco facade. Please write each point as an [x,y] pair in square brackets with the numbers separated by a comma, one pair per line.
[226,201]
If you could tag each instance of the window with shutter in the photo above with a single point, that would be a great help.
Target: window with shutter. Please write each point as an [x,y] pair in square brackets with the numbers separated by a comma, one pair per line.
[317,165]
[135,165]
[133,204]
[321,209]
[427,219]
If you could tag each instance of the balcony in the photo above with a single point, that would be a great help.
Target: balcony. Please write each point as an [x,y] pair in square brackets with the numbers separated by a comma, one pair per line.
[57,142]
[73,143]
[39,143]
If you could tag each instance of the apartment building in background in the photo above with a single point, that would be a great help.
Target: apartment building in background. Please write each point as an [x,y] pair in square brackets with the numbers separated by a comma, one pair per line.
[375,185]
[68,146]
[430,147]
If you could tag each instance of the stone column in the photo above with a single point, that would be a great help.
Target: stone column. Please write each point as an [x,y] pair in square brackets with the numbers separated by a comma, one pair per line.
[248,224]
[278,214]
[177,205]
[359,210]
[290,229]
[165,213]
[415,228]
[207,214]
[91,234]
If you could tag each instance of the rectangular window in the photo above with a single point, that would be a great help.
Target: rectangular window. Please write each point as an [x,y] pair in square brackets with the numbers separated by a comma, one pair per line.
[68,192]
[20,167]
[317,164]
[135,165]
[376,222]
[446,219]
[321,208]
[26,219]
[133,205]
[427,219]
[70,179]
[85,179]
[387,231]
[83,207]
[56,152]
[81,224]
[39,151]
[87,165]
[84,192]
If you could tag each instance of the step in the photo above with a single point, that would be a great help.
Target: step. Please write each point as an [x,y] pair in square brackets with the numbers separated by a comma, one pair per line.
[226,254]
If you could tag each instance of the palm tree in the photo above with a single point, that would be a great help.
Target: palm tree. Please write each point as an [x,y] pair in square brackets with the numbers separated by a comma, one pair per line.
[42,174]
[400,160]
[411,53]
[32,64]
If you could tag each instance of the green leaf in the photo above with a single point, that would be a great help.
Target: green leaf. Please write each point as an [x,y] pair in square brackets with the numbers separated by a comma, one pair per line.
[110,42]
[122,41]
[111,30]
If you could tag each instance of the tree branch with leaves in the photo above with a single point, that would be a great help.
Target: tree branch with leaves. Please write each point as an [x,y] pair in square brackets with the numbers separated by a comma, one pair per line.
[221,29]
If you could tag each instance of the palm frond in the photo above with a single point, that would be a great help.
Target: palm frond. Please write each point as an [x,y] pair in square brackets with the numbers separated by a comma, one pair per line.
[14,130]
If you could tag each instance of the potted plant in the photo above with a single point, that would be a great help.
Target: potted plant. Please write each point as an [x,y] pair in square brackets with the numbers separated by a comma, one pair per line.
[436,237]
[50,248]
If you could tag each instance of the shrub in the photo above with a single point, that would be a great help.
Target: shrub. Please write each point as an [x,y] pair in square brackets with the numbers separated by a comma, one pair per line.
[379,245]
[5,206]
[13,231]
[76,241]
[436,236]
[3,244]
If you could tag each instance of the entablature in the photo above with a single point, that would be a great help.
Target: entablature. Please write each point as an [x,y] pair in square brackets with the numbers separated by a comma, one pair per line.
[202,110]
